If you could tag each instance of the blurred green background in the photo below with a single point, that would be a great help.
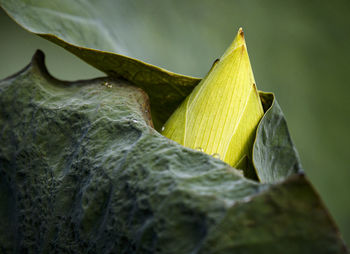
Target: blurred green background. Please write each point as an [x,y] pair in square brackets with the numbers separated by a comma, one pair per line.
[299,50]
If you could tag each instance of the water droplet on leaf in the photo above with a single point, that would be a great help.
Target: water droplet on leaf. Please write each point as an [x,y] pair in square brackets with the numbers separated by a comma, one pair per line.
[107,84]
[216,155]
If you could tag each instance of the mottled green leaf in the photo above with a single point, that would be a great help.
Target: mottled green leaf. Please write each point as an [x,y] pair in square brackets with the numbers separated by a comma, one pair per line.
[82,171]
[48,136]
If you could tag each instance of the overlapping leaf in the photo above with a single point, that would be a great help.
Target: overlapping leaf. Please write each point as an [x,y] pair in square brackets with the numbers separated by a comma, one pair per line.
[76,26]
[106,181]
[82,171]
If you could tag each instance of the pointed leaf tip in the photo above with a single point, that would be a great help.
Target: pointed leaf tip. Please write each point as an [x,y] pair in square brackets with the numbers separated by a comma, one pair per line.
[238,42]
[240,32]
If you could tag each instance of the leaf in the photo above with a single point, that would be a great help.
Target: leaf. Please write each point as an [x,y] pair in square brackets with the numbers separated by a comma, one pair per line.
[82,171]
[274,154]
[61,22]
[220,116]
[77,26]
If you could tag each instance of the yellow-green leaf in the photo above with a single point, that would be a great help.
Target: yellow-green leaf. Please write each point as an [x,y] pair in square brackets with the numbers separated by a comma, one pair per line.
[220,116]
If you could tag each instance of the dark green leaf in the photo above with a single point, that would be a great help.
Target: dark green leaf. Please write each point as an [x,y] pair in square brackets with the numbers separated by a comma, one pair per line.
[82,171]
[79,27]
[274,154]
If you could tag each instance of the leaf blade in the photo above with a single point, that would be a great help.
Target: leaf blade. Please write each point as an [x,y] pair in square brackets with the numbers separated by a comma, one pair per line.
[274,154]
[81,157]
[166,89]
